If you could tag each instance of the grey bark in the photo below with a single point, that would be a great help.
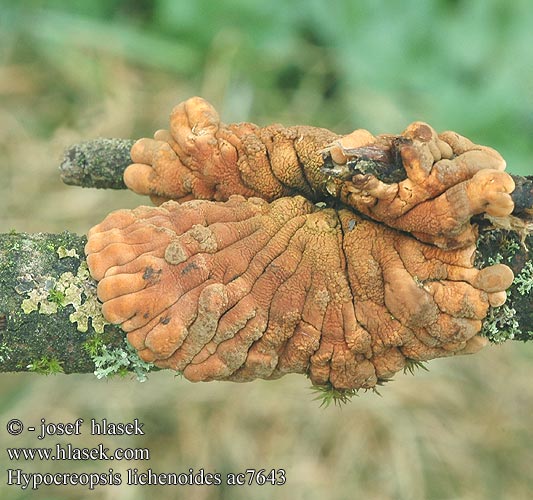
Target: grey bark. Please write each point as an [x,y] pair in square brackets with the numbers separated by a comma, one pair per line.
[99,163]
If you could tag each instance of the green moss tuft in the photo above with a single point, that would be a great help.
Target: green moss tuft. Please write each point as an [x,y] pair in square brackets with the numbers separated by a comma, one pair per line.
[327,395]
[413,365]
[57,297]
[93,345]
[45,366]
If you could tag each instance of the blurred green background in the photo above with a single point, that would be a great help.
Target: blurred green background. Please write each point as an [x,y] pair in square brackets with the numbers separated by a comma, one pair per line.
[75,70]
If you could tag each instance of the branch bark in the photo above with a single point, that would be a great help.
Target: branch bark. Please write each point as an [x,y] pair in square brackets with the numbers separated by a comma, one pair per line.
[50,319]
[49,314]
[98,163]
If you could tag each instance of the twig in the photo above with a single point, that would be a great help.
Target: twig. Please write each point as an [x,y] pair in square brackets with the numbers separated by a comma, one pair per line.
[99,163]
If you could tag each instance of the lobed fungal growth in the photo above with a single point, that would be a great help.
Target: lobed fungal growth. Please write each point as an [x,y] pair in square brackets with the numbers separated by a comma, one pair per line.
[247,278]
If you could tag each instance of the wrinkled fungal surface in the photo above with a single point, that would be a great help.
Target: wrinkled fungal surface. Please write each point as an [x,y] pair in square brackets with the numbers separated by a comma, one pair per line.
[245,277]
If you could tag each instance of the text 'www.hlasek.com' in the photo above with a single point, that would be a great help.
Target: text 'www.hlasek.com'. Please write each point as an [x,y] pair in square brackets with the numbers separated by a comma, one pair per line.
[101,455]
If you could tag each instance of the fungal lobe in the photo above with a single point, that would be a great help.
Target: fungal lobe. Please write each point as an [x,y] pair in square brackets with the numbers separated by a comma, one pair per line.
[244,277]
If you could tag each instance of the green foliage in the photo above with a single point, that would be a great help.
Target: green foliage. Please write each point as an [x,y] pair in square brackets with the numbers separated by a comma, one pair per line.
[339,64]
[412,366]
[45,366]
[117,361]
[327,395]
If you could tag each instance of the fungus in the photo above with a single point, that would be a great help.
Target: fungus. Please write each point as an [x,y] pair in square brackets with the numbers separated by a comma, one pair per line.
[250,275]
[425,183]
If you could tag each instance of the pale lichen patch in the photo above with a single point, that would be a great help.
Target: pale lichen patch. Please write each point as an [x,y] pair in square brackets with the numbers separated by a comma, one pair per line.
[500,324]
[63,252]
[37,301]
[49,295]
[120,361]
[525,279]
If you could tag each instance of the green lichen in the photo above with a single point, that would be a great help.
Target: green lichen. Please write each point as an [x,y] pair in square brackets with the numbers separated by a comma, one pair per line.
[511,247]
[507,242]
[34,300]
[118,361]
[49,295]
[45,366]
[524,280]
[500,324]
[63,252]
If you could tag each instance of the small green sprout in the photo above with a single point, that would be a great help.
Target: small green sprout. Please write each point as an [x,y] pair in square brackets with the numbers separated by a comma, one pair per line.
[93,346]
[45,366]
[57,297]
[381,382]
[327,394]
[412,365]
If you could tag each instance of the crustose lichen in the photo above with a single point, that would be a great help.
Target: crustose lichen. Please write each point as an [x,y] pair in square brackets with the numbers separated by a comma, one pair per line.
[48,295]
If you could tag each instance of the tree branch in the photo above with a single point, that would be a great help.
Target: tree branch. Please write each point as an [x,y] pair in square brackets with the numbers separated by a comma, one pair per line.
[99,163]
[51,320]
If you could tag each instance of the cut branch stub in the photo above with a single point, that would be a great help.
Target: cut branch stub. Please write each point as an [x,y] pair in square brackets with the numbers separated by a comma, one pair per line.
[99,163]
